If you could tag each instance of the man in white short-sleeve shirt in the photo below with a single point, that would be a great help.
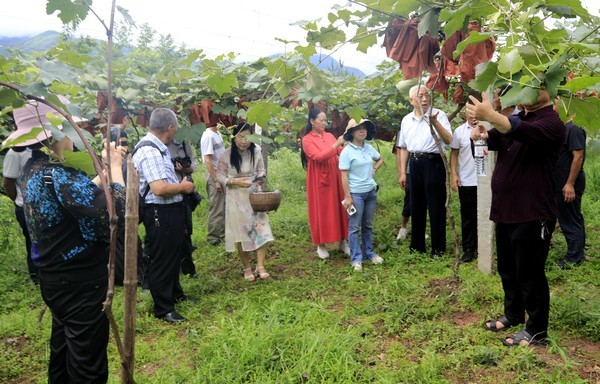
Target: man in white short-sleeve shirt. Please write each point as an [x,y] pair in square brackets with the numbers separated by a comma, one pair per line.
[464,180]
[14,161]
[212,148]
[419,151]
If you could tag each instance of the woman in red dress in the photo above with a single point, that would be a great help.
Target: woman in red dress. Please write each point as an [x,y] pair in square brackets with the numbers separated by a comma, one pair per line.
[327,219]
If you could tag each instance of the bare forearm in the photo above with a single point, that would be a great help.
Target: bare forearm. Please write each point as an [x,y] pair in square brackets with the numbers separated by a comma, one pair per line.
[10,187]
[576,165]
[442,132]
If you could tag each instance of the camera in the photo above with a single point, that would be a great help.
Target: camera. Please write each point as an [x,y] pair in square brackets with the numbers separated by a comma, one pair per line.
[184,161]
[193,200]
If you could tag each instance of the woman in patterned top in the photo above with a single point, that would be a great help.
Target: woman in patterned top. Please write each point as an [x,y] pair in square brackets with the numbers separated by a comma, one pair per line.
[67,217]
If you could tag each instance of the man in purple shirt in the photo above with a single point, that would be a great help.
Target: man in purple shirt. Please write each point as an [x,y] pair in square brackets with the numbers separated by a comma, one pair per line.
[523,208]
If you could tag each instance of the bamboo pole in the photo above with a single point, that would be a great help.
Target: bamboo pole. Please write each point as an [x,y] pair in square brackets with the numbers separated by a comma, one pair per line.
[130,282]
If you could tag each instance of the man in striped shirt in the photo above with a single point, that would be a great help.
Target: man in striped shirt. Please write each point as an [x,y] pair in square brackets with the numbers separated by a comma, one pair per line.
[164,214]
[523,208]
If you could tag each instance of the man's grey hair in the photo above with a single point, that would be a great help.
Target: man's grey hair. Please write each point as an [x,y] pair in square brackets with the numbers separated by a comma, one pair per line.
[161,118]
[412,93]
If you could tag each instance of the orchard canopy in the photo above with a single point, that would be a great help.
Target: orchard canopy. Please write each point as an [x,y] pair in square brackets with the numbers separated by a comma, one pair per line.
[529,44]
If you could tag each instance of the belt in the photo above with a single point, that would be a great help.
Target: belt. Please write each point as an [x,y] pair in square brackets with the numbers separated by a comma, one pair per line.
[171,205]
[425,155]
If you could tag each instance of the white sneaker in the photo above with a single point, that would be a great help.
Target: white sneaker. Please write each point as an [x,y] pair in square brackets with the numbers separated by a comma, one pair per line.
[377,259]
[357,266]
[322,252]
[345,247]
[402,233]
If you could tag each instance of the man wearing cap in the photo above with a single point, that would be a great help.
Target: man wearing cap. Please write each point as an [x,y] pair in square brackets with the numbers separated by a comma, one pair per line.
[164,214]
[427,175]
[68,221]
[212,148]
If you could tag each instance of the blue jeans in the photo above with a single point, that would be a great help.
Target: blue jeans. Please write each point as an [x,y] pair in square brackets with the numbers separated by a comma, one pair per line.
[361,225]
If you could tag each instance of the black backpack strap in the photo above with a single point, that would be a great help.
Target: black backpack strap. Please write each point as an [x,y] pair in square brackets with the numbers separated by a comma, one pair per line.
[146,143]
[184,151]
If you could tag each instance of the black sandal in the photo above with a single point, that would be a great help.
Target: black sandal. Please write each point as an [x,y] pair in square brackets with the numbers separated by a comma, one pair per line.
[523,335]
[492,327]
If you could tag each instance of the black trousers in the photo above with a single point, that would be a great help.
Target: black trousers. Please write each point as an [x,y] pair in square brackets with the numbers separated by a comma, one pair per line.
[406,201]
[79,330]
[187,262]
[165,225]
[522,255]
[427,193]
[468,217]
[30,266]
[572,224]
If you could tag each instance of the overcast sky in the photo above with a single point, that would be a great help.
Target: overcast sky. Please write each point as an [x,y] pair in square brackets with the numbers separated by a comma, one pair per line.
[248,28]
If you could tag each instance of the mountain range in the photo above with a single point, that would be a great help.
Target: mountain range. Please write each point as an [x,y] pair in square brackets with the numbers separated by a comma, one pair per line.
[49,39]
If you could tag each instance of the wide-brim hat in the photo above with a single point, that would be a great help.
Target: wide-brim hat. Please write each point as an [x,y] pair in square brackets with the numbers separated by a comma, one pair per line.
[33,115]
[352,125]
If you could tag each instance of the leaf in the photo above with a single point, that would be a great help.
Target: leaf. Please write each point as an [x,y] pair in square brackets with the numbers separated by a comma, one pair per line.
[355,113]
[126,16]
[260,112]
[405,85]
[511,63]
[30,135]
[365,39]
[586,113]
[405,7]
[327,37]
[474,38]
[69,12]
[560,7]
[10,97]
[485,78]
[221,83]
[51,71]
[191,57]
[259,139]
[519,95]
[192,133]
[455,19]
[80,160]
[307,51]
[580,83]
[554,76]
[428,23]
[129,94]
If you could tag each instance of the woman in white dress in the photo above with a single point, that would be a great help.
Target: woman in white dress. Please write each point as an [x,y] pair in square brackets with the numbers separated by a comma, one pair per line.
[241,169]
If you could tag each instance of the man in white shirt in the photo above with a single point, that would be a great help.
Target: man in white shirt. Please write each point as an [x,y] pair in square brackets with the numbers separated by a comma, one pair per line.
[427,172]
[14,161]
[212,148]
[464,180]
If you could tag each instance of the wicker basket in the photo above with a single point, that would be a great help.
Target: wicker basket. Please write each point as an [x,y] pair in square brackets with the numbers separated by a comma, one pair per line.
[265,201]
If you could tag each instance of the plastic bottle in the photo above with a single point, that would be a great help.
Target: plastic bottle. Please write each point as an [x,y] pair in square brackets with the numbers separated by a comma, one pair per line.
[481,157]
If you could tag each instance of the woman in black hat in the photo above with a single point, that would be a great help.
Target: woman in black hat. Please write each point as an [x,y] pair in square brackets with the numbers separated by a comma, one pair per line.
[358,163]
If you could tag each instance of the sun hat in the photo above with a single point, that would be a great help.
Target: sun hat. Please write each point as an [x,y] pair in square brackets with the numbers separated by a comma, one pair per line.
[352,124]
[33,115]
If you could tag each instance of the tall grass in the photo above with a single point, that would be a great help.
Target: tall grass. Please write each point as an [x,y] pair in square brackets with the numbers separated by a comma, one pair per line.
[409,320]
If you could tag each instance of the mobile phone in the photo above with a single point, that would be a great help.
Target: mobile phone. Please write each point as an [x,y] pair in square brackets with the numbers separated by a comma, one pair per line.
[351,209]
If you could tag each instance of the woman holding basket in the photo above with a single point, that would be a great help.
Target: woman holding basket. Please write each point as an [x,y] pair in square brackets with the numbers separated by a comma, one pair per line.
[241,170]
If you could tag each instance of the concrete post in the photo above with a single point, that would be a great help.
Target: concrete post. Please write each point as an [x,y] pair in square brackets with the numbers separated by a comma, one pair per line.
[485,227]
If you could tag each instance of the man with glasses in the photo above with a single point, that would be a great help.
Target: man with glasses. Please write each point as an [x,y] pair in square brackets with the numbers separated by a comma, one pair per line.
[164,213]
[427,175]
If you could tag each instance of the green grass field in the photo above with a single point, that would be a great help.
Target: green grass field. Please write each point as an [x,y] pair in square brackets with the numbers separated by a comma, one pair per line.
[409,320]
